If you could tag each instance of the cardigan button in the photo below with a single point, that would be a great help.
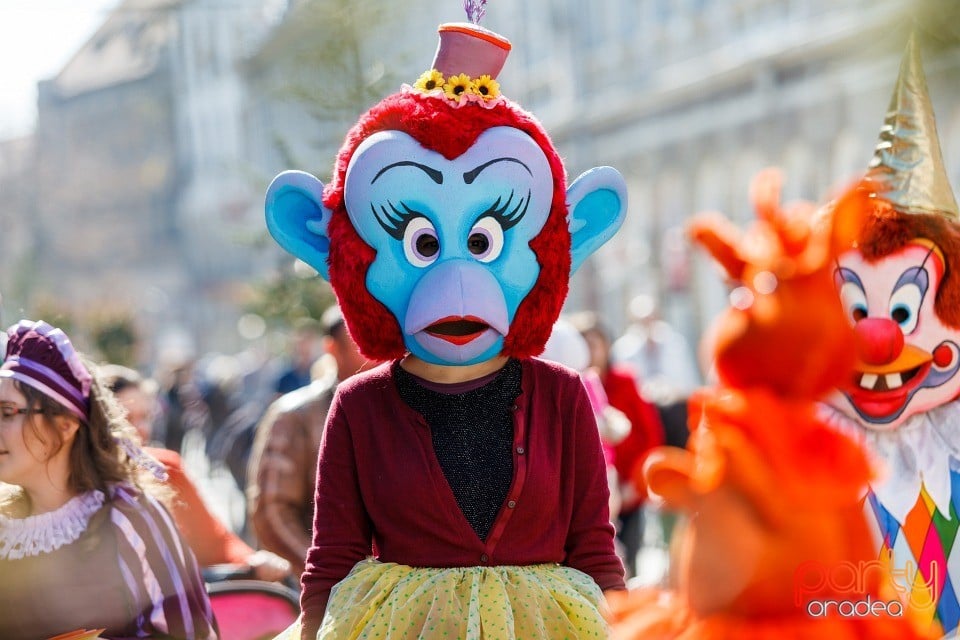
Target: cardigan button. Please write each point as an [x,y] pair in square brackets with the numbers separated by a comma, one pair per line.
[515,407]
[484,558]
[521,450]
[512,504]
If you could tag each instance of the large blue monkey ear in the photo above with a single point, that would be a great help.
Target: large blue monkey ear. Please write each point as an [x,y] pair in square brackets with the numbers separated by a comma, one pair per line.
[597,202]
[297,219]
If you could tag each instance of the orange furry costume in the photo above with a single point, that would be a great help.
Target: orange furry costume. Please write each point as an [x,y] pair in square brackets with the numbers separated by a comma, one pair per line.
[774,495]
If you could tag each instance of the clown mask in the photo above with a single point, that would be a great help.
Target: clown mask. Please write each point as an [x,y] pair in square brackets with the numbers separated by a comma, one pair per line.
[907,357]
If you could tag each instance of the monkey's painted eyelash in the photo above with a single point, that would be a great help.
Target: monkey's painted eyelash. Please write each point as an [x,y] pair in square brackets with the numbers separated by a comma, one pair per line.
[506,216]
[395,221]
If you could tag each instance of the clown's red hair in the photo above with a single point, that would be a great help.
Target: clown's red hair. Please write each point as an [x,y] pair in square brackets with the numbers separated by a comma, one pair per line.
[449,131]
[889,230]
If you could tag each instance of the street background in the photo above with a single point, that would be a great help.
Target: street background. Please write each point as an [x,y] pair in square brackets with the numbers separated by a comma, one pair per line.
[137,138]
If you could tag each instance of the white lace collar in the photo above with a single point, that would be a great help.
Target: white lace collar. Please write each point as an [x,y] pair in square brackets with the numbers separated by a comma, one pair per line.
[46,532]
[921,451]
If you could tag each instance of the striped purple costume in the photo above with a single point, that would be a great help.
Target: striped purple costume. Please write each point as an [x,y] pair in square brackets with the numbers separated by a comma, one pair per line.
[116,562]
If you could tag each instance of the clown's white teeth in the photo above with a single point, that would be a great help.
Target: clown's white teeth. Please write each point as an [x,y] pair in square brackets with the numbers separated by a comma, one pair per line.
[869,380]
[894,381]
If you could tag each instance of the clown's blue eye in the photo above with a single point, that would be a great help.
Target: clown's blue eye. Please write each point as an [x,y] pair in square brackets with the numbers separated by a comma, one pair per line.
[486,239]
[907,297]
[854,301]
[905,306]
[421,247]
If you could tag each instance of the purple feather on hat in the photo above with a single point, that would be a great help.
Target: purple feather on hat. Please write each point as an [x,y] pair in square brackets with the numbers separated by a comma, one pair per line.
[475,9]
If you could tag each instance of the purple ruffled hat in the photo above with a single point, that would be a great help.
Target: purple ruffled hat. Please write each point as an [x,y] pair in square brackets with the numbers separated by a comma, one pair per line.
[42,357]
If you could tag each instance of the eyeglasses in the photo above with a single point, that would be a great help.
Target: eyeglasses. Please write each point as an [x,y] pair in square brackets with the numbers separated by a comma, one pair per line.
[9,411]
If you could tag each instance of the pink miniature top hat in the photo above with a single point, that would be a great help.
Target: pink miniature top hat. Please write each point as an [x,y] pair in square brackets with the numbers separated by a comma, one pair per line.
[470,49]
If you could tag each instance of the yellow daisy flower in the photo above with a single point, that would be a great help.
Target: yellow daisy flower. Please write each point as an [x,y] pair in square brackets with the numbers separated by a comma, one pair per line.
[457,86]
[486,87]
[429,80]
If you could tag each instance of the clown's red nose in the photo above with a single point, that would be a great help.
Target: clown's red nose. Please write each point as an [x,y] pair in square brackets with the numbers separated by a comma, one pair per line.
[879,340]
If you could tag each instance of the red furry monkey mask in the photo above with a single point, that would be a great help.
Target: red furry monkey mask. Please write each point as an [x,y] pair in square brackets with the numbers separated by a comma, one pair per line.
[448,230]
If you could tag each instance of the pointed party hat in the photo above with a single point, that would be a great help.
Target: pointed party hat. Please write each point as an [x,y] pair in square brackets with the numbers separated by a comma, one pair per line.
[907,167]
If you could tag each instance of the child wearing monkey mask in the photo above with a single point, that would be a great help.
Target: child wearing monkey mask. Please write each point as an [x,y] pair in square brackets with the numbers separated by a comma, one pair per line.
[461,485]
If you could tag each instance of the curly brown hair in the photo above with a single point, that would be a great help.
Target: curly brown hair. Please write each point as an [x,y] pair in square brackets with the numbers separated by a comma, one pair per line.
[96,460]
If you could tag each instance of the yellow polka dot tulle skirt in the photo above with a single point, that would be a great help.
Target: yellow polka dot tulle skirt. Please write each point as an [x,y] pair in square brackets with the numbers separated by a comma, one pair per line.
[396,602]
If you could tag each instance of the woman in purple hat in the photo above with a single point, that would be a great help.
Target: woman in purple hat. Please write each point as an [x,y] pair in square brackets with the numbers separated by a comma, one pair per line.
[85,544]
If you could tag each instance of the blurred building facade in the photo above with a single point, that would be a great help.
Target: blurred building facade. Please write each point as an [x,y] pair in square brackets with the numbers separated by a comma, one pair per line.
[141,204]
[320,68]
[155,143]
[689,98]
[106,171]
[19,221]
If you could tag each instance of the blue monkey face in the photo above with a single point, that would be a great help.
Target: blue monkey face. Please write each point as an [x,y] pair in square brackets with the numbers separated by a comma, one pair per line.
[452,237]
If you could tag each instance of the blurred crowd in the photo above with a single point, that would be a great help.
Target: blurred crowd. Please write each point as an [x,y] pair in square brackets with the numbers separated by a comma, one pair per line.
[248,436]
[231,454]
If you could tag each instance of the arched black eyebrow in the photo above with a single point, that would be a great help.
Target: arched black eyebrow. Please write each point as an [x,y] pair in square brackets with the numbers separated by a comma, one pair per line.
[435,175]
[470,176]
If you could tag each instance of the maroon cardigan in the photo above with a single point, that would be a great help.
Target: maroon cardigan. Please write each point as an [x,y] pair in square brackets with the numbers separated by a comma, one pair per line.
[381,491]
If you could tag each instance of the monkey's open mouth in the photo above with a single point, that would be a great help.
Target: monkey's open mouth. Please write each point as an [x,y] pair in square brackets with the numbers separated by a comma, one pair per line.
[458,330]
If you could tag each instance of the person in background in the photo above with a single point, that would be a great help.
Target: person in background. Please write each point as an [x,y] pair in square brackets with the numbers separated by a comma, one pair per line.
[185,410]
[85,541]
[663,363]
[659,355]
[211,541]
[283,463]
[568,347]
[304,350]
[646,433]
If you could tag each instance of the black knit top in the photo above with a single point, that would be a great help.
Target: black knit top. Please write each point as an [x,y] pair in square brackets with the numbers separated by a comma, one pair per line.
[472,436]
